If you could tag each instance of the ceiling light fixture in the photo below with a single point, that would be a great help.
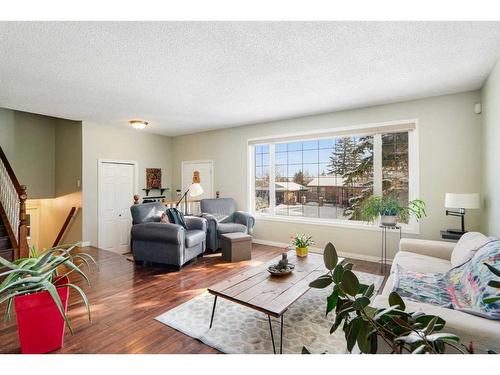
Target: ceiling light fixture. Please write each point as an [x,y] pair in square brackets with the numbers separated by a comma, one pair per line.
[138,124]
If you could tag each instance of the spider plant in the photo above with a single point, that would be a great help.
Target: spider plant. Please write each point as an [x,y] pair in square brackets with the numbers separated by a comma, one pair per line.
[40,272]
[376,206]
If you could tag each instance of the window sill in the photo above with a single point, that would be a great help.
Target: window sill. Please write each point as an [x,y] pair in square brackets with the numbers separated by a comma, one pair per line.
[332,223]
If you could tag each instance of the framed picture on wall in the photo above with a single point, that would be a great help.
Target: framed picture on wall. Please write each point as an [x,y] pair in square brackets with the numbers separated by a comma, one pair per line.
[153,178]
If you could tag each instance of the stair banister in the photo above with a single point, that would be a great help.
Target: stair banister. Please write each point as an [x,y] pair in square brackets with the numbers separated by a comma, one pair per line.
[13,208]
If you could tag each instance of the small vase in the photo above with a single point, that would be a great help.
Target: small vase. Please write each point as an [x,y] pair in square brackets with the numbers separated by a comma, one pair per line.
[301,251]
[388,220]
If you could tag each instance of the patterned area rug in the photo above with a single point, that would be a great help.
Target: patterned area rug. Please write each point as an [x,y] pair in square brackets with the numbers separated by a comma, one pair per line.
[240,330]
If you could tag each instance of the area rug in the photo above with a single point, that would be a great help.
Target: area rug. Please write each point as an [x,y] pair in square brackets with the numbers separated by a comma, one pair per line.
[240,330]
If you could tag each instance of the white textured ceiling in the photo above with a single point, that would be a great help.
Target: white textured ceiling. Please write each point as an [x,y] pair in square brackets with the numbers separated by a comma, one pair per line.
[185,77]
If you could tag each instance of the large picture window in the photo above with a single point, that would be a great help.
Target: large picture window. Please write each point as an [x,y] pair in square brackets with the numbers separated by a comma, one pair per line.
[330,177]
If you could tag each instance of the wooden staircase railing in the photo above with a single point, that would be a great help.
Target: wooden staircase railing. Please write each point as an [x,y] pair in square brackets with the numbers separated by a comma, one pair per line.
[13,208]
[64,228]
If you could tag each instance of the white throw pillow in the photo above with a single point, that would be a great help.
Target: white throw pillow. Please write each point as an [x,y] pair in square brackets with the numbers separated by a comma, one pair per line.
[466,246]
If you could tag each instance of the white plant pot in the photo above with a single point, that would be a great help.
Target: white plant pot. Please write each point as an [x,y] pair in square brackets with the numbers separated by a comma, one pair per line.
[389,221]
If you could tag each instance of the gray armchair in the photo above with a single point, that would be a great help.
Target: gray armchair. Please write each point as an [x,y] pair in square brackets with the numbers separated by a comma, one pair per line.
[154,241]
[222,218]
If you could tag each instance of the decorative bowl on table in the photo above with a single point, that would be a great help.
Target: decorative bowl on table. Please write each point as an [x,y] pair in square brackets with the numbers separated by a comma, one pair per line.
[274,270]
[282,268]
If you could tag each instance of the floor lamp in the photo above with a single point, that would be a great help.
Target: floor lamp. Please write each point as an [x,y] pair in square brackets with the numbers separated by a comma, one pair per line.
[194,190]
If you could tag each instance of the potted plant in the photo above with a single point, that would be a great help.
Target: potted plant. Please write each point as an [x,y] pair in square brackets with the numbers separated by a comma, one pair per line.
[390,210]
[301,243]
[38,287]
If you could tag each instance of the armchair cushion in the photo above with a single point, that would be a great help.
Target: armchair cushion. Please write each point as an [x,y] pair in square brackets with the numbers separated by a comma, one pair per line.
[194,222]
[158,232]
[195,237]
[466,247]
[437,249]
[231,228]
[147,212]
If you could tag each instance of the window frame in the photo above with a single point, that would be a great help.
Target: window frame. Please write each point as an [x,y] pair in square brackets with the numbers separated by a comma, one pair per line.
[375,129]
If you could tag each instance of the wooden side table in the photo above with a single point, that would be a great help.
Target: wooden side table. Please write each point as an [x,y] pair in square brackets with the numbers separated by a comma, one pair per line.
[383,251]
[236,247]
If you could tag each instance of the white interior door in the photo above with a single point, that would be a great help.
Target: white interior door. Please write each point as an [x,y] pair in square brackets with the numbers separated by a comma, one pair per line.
[116,187]
[206,177]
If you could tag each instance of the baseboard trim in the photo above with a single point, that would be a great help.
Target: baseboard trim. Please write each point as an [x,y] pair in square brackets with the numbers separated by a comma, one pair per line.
[85,243]
[369,258]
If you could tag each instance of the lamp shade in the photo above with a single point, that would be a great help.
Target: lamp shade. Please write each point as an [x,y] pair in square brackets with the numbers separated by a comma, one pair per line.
[195,190]
[453,200]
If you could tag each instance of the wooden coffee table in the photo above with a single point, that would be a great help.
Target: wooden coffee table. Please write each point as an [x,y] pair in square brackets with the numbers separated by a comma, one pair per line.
[272,295]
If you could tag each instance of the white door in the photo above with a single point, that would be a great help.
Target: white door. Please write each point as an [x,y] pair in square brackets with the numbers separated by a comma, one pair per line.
[116,187]
[206,172]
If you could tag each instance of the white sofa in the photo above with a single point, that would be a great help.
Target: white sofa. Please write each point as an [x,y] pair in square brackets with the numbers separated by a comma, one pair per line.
[427,256]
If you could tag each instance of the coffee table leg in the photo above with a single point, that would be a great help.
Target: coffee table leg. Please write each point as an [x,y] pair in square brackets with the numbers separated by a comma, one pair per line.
[213,312]
[272,336]
[281,334]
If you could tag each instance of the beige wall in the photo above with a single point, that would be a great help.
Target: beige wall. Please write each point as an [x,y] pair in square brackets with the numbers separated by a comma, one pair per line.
[449,147]
[28,140]
[491,152]
[46,155]
[104,142]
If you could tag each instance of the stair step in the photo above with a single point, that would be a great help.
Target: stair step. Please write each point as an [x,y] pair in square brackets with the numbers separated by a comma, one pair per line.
[7,254]
[4,243]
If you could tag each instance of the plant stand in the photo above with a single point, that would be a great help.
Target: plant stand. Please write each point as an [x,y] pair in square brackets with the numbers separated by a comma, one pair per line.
[383,250]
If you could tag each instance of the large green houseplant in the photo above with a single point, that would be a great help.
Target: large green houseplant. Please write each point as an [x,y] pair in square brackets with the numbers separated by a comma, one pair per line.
[41,280]
[389,209]
[367,326]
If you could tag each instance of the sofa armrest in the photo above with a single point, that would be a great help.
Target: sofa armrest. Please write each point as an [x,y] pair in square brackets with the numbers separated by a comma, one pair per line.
[158,232]
[194,222]
[437,249]
[244,218]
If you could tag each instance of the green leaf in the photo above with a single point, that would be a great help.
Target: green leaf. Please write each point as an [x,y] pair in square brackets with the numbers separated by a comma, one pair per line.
[305,350]
[321,282]
[494,283]
[350,283]
[425,320]
[493,269]
[373,343]
[83,295]
[363,339]
[330,256]
[411,339]
[49,287]
[331,301]
[361,302]
[419,350]
[348,266]
[369,292]
[430,327]
[396,300]
[337,273]
[352,332]
[383,312]
[442,336]
[491,299]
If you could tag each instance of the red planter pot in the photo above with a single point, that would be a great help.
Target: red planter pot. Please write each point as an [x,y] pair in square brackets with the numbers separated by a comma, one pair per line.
[39,322]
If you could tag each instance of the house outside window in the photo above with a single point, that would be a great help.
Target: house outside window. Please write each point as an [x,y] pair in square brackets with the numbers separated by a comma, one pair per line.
[326,177]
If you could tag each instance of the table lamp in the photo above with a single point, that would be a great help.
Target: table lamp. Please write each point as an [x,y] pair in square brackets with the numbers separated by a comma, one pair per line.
[462,202]
[194,190]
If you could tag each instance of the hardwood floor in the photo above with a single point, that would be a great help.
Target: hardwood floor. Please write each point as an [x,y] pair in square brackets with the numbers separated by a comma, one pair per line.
[126,298]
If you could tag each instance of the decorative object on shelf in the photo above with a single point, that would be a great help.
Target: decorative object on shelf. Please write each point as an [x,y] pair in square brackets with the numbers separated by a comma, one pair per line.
[194,190]
[301,242]
[153,178]
[390,210]
[217,194]
[282,268]
[40,295]
[383,251]
[367,326]
[138,124]
[462,202]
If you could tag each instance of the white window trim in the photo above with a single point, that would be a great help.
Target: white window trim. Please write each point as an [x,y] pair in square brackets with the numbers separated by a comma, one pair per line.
[413,227]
